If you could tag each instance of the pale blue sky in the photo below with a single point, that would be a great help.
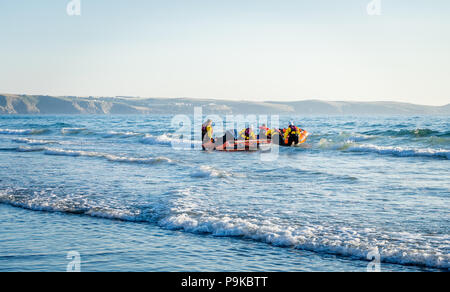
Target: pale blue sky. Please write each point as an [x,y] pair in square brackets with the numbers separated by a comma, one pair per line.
[233,49]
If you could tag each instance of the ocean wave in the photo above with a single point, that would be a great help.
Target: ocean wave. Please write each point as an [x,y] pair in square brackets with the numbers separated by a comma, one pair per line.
[109,157]
[352,146]
[343,242]
[81,153]
[446,134]
[208,171]
[72,131]
[74,153]
[29,149]
[47,125]
[113,134]
[34,142]
[439,140]
[400,151]
[355,137]
[166,139]
[62,125]
[22,149]
[188,212]
[328,144]
[406,132]
[160,159]
[182,214]
[70,204]
[23,131]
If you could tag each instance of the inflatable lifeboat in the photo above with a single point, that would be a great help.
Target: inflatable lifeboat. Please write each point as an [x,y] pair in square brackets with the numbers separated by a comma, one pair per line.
[229,144]
[237,145]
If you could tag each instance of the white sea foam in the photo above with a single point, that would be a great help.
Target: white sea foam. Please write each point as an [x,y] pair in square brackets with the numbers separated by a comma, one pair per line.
[72,204]
[34,142]
[311,238]
[72,131]
[188,212]
[166,139]
[401,151]
[78,153]
[23,131]
[184,212]
[74,153]
[351,146]
[138,160]
[110,157]
[328,144]
[112,134]
[208,171]
[355,137]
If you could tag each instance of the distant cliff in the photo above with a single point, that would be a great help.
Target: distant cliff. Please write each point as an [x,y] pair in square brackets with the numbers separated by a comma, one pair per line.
[39,104]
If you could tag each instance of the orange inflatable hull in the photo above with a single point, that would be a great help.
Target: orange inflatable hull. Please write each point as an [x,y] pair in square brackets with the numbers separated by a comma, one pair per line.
[238,145]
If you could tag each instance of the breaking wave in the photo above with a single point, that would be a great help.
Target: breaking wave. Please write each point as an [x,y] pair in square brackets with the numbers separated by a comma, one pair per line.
[34,142]
[113,134]
[400,151]
[181,213]
[408,132]
[356,137]
[109,157]
[73,131]
[341,241]
[166,139]
[81,153]
[208,171]
[71,204]
[328,144]
[23,131]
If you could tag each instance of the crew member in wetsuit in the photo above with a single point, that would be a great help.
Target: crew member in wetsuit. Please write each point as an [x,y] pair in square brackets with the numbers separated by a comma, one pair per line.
[264,132]
[292,134]
[247,134]
[207,133]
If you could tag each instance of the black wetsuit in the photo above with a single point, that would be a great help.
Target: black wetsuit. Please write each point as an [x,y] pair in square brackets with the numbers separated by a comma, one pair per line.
[293,138]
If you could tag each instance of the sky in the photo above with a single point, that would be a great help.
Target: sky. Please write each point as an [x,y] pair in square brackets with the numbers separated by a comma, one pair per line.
[256,50]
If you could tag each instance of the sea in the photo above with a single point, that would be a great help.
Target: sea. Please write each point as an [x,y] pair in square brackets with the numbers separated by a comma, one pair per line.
[118,193]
